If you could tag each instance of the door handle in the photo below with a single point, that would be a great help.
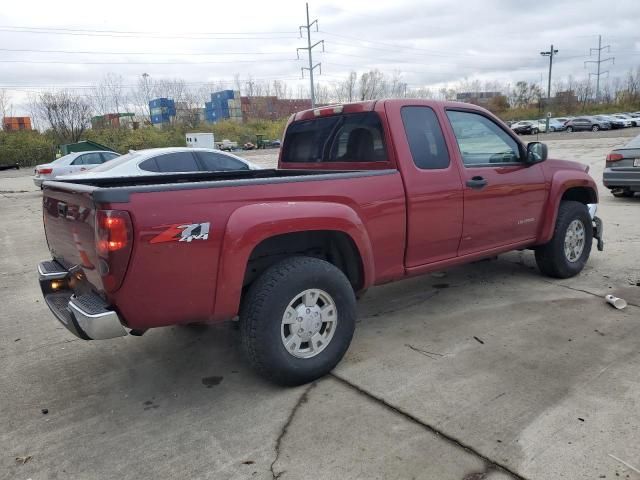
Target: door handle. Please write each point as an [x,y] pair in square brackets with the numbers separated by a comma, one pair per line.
[477,182]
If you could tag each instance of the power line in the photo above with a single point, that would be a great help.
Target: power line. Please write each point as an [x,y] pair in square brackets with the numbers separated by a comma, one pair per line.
[90,52]
[62,62]
[170,37]
[598,63]
[137,32]
[309,48]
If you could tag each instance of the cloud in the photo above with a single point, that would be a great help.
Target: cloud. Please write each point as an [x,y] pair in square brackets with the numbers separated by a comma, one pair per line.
[432,42]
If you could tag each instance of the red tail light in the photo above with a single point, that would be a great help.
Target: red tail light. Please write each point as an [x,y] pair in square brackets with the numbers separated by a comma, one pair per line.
[44,171]
[614,157]
[114,238]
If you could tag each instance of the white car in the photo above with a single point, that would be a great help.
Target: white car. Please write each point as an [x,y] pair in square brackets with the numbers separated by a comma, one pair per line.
[162,161]
[69,164]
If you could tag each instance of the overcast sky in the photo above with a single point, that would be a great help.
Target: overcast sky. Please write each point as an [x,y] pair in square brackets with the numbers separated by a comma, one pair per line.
[69,43]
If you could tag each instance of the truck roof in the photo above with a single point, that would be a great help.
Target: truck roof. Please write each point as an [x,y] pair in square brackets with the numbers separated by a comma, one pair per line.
[370,105]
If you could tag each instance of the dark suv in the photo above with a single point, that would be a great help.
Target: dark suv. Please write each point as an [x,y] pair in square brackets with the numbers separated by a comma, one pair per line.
[587,123]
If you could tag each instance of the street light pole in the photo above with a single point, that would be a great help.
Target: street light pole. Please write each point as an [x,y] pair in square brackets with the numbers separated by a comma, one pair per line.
[549,54]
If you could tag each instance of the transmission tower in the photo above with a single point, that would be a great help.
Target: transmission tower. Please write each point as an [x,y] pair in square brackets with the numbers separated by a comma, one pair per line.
[598,63]
[309,48]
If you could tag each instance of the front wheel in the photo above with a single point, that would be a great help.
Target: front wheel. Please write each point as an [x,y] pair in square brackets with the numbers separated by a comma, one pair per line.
[297,320]
[566,254]
[595,128]
[569,129]
[552,129]
[534,131]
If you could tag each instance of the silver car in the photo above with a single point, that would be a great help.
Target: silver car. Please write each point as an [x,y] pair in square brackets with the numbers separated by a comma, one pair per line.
[69,164]
[162,161]
[622,170]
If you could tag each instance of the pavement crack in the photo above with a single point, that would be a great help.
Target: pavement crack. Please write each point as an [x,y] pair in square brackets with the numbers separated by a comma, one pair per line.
[283,431]
[452,440]
[426,353]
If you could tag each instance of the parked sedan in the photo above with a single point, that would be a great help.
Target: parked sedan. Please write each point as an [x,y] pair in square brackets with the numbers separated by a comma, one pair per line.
[162,161]
[555,124]
[526,127]
[586,123]
[615,122]
[69,164]
[628,119]
[622,170]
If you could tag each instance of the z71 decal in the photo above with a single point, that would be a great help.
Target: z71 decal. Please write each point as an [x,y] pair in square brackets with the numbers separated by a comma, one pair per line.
[183,233]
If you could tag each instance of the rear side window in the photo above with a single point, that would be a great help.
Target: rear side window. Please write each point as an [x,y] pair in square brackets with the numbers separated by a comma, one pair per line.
[108,156]
[426,142]
[217,161]
[346,138]
[171,162]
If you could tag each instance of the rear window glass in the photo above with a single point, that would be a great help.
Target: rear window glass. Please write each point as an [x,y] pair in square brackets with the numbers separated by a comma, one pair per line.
[115,162]
[426,142]
[346,138]
[171,162]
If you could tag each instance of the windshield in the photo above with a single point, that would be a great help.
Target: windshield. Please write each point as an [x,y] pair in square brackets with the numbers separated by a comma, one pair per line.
[108,165]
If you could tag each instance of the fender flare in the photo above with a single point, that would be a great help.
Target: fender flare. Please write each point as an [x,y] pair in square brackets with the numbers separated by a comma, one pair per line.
[251,224]
[560,183]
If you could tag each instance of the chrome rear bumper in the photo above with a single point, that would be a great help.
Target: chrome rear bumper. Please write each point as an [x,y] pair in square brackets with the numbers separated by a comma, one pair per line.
[86,315]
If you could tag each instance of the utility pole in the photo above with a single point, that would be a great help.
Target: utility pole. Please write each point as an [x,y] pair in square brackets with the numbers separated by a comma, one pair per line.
[598,62]
[549,54]
[309,49]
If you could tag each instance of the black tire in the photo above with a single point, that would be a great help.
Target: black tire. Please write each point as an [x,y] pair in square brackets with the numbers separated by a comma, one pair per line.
[263,308]
[534,131]
[550,257]
[595,128]
[552,129]
[569,129]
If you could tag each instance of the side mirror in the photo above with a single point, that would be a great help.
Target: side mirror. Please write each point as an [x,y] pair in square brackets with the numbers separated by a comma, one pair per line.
[536,152]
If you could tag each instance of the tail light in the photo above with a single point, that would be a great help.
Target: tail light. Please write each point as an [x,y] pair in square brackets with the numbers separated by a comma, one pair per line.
[614,157]
[44,171]
[114,241]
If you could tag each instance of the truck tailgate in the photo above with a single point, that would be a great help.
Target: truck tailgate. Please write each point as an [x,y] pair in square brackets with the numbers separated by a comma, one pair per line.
[69,223]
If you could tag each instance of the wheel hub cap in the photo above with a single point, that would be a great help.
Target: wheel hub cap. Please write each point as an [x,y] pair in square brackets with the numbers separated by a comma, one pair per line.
[308,323]
[574,240]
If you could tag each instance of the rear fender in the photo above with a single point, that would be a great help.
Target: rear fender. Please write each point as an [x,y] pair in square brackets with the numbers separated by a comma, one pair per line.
[561,182]
[251,224]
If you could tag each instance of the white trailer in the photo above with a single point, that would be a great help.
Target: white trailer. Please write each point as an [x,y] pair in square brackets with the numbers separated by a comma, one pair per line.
[200,140]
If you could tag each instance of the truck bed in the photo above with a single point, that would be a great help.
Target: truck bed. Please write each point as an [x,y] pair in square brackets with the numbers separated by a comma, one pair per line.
[107,190]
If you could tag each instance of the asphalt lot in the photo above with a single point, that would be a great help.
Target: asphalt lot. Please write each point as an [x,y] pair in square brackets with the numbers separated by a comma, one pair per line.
[488,371]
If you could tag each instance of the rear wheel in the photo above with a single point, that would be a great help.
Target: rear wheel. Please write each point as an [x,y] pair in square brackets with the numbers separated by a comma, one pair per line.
[569,129]
[297,320]
[595,128]
[566,254]
[552,129]
[534,131]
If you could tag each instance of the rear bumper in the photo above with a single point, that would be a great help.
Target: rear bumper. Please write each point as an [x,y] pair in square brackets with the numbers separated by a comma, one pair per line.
[86,315]
[38,181]
[621,179]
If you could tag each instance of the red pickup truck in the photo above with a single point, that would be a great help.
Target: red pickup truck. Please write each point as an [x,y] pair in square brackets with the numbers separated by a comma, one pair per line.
[364,194]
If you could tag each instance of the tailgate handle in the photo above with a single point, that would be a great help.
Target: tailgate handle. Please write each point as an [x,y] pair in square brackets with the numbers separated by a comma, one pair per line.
[62,209]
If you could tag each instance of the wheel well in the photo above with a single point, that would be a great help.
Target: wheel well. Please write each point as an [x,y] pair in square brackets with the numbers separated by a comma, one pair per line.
[335,247]
[580,194]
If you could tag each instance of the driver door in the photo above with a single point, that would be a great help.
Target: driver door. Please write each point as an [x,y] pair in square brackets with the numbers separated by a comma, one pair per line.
[503,195]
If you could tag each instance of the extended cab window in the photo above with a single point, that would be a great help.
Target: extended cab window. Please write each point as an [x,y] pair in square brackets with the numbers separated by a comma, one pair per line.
[426,142]
[481,141]
[354,137]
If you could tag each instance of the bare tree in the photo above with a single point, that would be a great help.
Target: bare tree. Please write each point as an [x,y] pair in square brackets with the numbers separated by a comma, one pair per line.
[142,95]
[109,95]
[67,115]
[6,107]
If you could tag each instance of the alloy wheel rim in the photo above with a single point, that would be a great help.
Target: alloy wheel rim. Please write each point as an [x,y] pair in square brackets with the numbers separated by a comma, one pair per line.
[309,323]
[574,240]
